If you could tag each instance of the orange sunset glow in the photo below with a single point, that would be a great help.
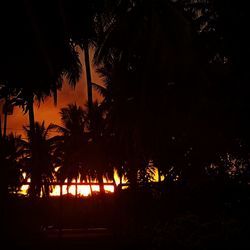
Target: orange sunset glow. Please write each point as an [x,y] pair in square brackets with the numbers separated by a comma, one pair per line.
[49,112]
[82,189]
[124,124]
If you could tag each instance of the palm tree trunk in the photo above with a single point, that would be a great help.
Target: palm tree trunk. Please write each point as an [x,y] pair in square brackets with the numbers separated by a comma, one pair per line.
[120,185]
[90,186]
[159,175]
[30,106]
[88,75]
[67,189]
[101,184]
[132,175]
[31,117]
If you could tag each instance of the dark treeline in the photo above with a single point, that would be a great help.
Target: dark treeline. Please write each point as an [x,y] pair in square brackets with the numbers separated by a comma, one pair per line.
[175,94]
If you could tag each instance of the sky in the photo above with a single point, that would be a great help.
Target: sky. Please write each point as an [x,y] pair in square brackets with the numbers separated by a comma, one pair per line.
[47,111]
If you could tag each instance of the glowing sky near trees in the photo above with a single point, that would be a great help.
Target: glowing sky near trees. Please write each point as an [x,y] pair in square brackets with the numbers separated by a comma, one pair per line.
[47,111]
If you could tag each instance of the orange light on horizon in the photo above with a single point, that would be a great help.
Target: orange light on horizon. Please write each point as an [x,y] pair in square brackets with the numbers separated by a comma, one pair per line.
[109,188]
[76,189]
[117,178]
[95,188]
[82,190]
[24,188]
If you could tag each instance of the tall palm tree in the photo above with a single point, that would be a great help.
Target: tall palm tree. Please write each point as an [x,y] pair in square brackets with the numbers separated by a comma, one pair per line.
[81,20]
[144,71]
[44,50]
[43,57]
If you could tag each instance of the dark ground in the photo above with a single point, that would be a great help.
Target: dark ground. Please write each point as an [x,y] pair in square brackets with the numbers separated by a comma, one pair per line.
[208,217]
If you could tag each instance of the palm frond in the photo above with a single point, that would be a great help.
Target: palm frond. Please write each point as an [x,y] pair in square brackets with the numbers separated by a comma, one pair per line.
[73,67]
[58,128]
[100,89]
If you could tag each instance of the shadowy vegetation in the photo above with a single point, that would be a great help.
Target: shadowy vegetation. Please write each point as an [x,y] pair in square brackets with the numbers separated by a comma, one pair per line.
[175,98]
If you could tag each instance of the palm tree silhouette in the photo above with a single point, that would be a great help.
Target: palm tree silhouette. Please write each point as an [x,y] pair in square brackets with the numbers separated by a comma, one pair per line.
[99,144]
[45,53]
[71,148]
[83,147]
[141,71]
[9,96]
[44,148]
[10,153]
[82,21]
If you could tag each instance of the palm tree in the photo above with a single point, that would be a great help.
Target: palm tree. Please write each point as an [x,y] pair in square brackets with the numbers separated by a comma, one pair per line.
[143,71]
[82,21]
[44,55]
[44,150]
[9,96]
[10,153]
[99,145]
[73,140]
[44,50]
[84,147]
